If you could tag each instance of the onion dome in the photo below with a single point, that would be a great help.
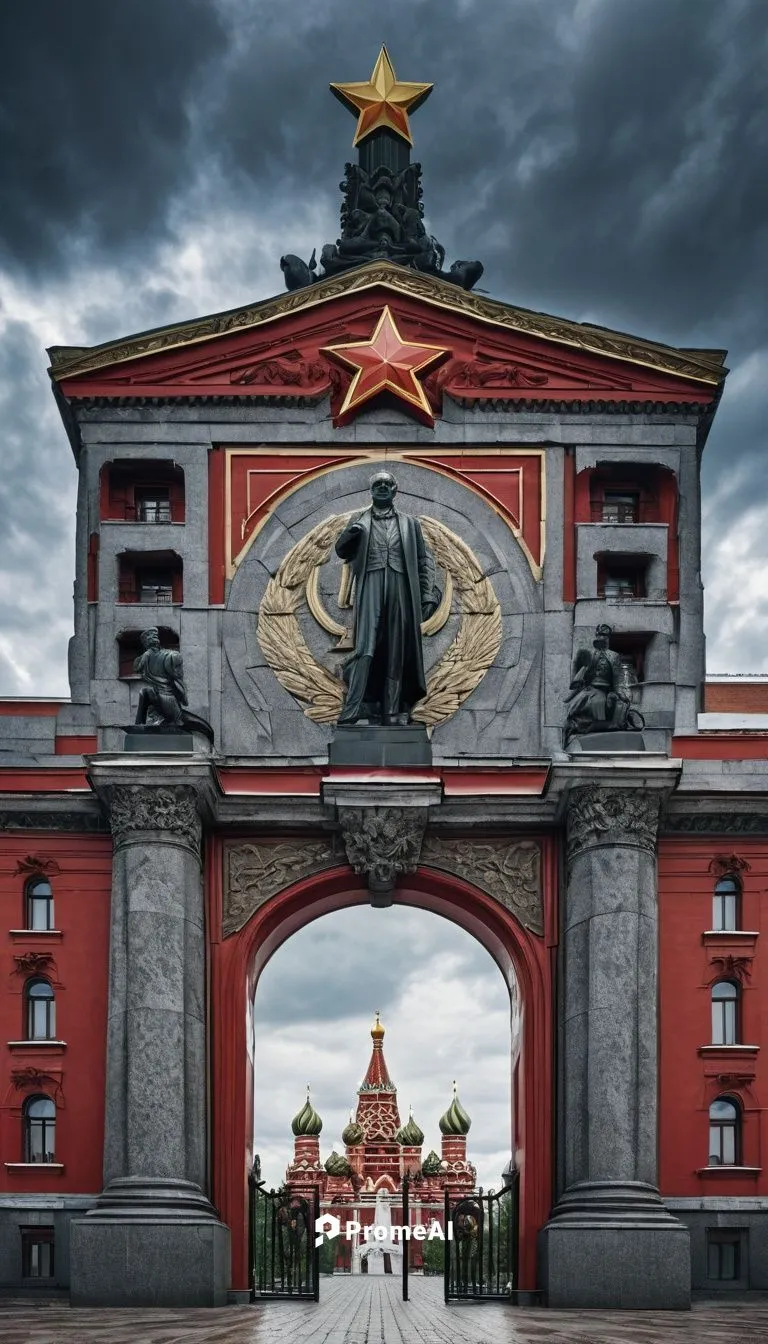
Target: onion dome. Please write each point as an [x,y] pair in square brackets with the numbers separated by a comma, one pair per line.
[337,1165]
[352,1134]
[431,1164]
[409,1134]
[377,1031]
[306,1123]
[455,1121]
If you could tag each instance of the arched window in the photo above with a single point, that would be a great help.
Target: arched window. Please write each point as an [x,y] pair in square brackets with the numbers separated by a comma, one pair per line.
[41,1011]
[725,1004]
[724,1133]
[725,904]
[39,904]
[39,1130]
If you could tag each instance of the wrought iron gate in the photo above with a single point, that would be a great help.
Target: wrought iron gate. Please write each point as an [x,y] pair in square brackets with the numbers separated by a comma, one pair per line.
[481,1258]
[283,1260]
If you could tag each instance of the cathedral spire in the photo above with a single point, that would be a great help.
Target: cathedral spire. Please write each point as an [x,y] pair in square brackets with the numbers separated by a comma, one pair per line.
[377,1077]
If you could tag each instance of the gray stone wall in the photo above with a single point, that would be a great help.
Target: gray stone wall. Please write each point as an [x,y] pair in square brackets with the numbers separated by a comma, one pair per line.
[518,709]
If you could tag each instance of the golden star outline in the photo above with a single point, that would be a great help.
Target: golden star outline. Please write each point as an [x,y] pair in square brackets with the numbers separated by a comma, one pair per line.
[386,363]
[382,101]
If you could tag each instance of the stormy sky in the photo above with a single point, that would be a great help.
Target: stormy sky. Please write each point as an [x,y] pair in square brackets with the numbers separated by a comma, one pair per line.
[606,159]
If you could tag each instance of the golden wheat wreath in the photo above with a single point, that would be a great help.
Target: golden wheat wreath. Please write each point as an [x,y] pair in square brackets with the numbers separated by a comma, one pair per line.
[459,671]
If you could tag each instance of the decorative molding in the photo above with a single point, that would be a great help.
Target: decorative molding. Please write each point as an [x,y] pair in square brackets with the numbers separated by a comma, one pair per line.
[86,822]
[454,678]
[37,864]
[717,823]
[731,968]
[723,864]
[383,842]
[510,871]
[34,1078]
[139,807]
[33,963]
[603,816]
[67,362]
[254,872]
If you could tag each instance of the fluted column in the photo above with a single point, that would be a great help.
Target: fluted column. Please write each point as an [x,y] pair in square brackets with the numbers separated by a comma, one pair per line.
[153,1216]
[610,1240]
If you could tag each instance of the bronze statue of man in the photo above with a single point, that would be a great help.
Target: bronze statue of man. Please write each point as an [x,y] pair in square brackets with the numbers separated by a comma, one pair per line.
[163,697]
[395,591]
[597,701]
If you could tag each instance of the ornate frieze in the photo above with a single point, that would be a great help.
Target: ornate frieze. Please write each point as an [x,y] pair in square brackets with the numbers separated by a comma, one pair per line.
[717,823]
[510,871]
[383,842]
[78,822]
[169,811]
[255,871]
[602,816]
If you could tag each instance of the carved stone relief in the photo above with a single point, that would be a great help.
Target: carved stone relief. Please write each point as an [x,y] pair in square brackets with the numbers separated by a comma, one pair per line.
[136,807]
[717,823]
[383,842]
[255,871]
[510,871]
[611,816]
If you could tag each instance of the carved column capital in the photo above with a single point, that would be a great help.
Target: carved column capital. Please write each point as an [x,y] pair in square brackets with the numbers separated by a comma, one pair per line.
[172,811]
[603,816]
[383,842]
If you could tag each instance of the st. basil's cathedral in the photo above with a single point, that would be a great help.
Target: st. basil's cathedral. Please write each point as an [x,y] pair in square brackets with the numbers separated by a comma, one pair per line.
[379,1151]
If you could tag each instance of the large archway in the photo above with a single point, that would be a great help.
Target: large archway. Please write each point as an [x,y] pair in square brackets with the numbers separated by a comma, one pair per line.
[525,960]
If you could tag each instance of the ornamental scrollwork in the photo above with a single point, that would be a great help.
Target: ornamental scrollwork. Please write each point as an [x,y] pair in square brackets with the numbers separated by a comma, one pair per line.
[717,823]
[508,871]
[600,816]
[135,807]
[35,864]
[383,842]
[33,963]
[254,872]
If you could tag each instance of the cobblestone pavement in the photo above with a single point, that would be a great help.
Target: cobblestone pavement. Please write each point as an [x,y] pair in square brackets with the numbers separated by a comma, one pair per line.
[369,1311]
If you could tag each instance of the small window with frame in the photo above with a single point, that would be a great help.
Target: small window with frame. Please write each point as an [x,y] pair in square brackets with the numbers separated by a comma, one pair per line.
[724,1254]
[37,1252]
[725,904]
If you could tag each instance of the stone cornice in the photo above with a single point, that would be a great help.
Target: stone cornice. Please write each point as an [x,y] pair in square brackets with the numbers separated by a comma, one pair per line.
[703,366]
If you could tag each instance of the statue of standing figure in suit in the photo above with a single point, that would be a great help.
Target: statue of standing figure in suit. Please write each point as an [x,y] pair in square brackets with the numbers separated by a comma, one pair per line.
[395,591]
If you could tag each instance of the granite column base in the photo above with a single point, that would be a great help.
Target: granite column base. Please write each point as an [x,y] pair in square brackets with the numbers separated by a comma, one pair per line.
[615,1246]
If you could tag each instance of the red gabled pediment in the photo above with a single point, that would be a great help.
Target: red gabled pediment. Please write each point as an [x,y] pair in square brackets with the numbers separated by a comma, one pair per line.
[280,349]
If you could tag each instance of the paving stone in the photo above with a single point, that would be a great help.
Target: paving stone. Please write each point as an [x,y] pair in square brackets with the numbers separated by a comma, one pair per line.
[370,1311]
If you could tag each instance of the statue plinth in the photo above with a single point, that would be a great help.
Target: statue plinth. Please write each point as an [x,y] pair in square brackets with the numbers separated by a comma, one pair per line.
[611,741]
[380,746]
[136,740]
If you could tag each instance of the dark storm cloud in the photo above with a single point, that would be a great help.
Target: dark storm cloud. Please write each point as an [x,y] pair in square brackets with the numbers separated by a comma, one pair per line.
[94,121]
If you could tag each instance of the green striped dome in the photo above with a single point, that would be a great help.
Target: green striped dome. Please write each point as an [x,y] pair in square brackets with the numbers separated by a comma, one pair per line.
[409,1134]
[431,1164]
[455,1121]
[337,1165]
[352,1134]
[307,1123]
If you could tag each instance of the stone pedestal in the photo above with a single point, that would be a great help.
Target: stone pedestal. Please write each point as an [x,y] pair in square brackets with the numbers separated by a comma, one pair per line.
[381,746]
[610,1241]
[153,1238]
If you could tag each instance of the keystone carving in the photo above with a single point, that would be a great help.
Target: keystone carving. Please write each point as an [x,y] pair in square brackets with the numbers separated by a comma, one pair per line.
[37,863]
[732,968]
[383,842]
[254,872]
[724,864]
[32,963]
[135,807]
[510,872]
[600,816]
[39,1080]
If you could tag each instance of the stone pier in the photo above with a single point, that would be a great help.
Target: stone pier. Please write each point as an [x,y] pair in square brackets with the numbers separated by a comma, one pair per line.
[610,1241]
[154,1238]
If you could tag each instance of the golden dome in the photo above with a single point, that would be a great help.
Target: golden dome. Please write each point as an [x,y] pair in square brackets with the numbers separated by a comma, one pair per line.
[377,1031]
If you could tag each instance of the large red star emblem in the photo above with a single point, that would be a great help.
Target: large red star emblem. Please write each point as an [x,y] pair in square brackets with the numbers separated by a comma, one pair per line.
[386,363]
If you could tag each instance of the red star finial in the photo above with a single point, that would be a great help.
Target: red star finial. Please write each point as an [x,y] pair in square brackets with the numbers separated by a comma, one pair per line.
[386,363]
